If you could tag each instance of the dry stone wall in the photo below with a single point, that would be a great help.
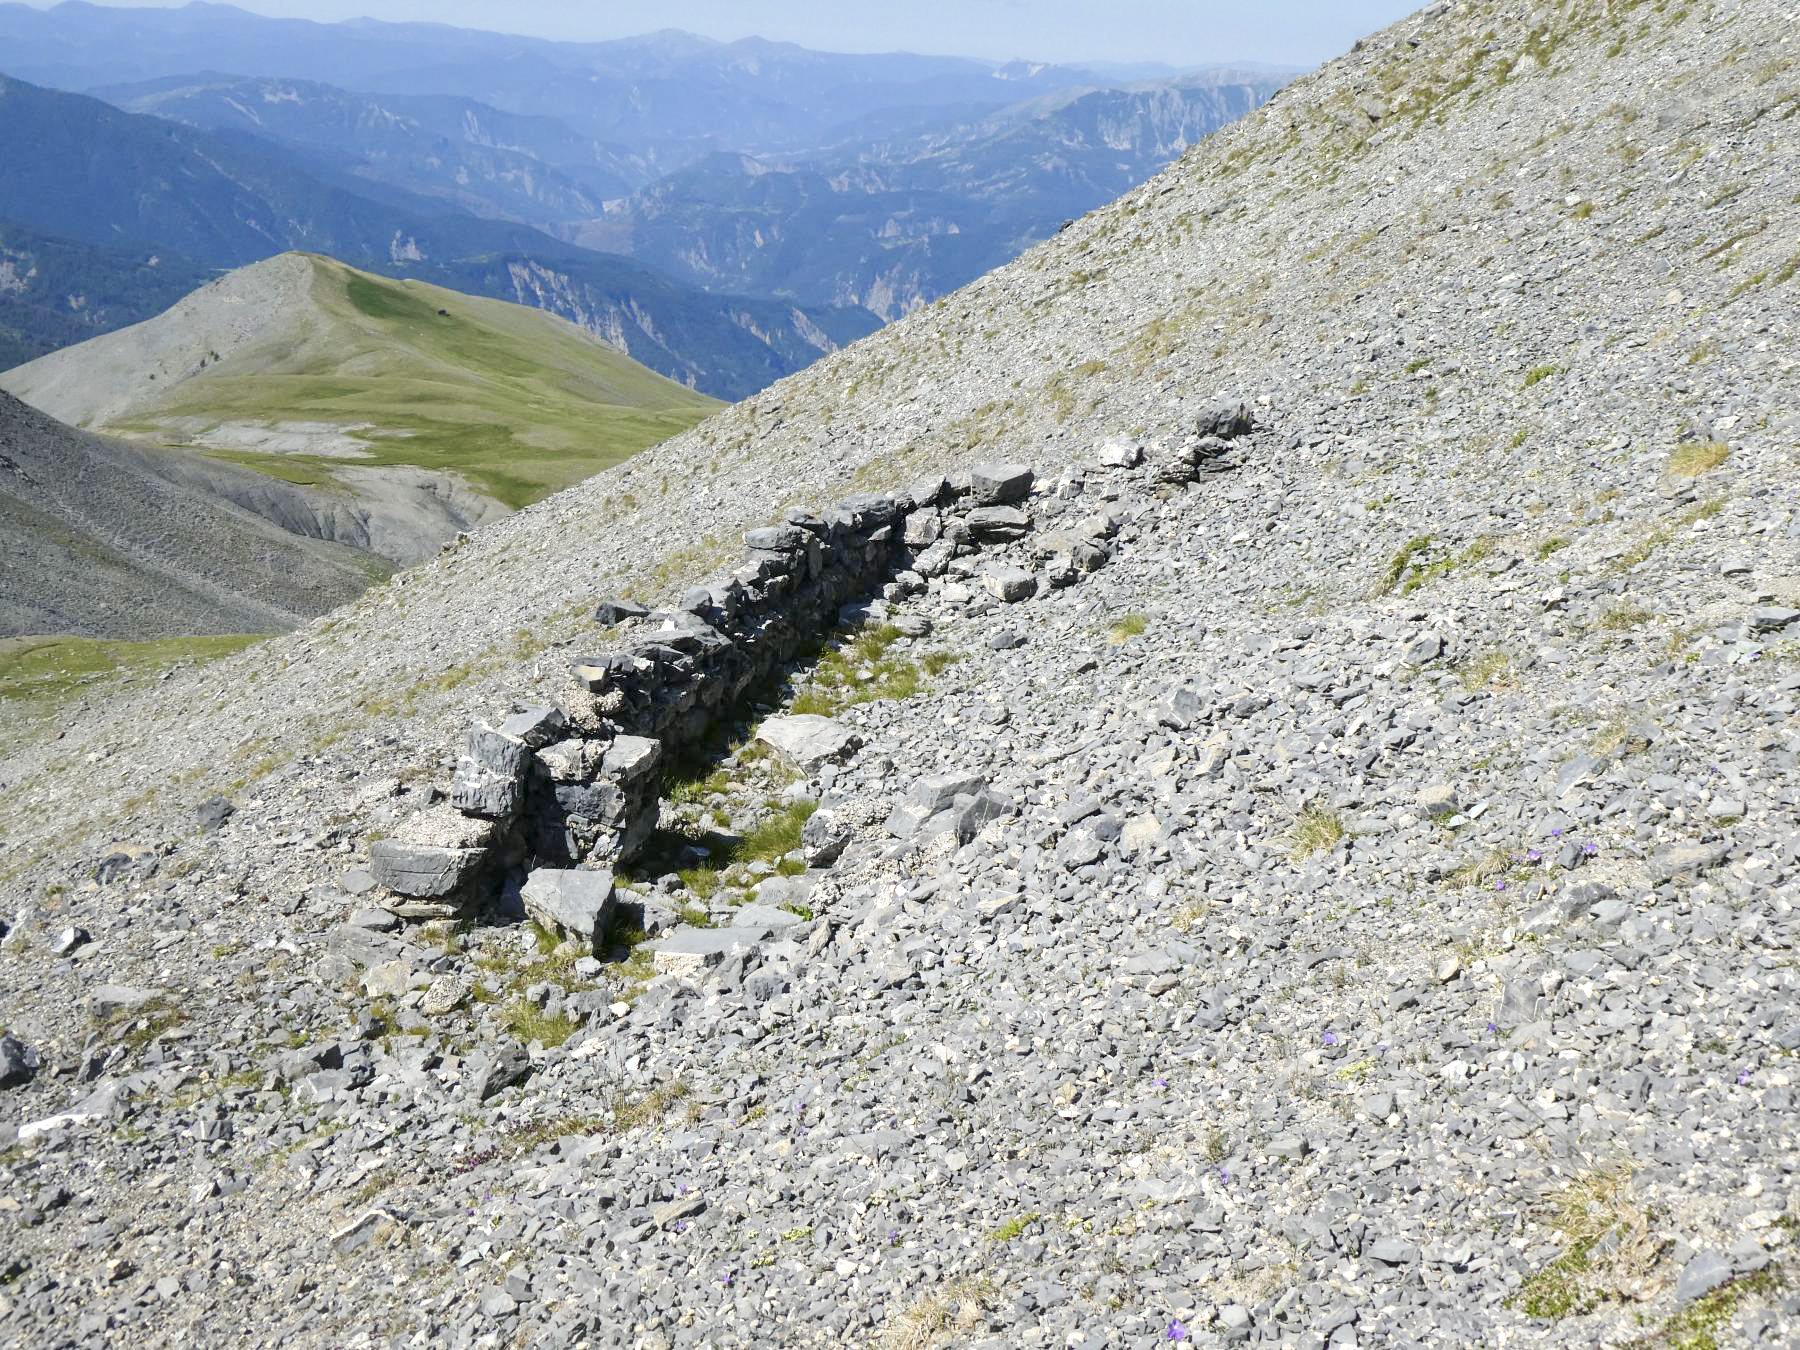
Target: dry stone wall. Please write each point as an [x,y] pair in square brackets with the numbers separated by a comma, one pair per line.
[576,784]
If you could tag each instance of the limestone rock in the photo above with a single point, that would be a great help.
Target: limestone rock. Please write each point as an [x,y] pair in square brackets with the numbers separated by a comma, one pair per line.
[809,740]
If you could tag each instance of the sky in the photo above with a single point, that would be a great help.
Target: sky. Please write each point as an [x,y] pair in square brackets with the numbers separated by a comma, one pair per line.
[1173,32]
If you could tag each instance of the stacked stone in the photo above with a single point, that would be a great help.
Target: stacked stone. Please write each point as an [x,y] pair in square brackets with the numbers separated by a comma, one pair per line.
[1212,449]
[576,786]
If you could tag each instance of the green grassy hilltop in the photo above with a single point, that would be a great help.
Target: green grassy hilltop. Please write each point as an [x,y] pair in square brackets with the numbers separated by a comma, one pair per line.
[300,367]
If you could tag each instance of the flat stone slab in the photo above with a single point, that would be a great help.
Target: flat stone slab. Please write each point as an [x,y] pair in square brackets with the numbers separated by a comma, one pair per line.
[578,904]
[809,740]
[692,951]
[763,918]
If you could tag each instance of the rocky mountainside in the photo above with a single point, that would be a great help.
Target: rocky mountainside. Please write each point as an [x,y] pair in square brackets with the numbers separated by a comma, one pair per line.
[104,539]
[1331,885]
[78,169]
[893,225]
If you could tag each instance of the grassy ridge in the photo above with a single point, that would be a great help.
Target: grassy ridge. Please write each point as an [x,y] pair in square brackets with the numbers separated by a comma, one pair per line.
[519,403]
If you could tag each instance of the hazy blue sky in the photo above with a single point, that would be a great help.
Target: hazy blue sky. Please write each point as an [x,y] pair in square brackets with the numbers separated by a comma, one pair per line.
[1180,32]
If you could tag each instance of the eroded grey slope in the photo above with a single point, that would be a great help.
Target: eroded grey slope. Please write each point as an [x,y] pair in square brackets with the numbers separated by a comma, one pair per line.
[104,539]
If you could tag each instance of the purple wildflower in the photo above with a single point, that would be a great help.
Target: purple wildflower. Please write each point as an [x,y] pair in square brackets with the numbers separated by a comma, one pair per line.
[730,1275]
[1590,848]
[893,1237]
[1743,1077]
[1159,1081]
[1177,1330]
[1556,833]
[1493,1030]
[1499,885]
[1532,855]
[1224,1174]
[1331,1038]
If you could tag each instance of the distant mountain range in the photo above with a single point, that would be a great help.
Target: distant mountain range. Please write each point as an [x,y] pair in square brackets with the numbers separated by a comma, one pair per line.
[775,203]
[886,223]
[77,169]
[671,96]
[895,224]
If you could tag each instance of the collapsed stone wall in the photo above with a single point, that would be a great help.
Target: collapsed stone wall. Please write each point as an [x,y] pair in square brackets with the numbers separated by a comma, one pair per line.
[576,784]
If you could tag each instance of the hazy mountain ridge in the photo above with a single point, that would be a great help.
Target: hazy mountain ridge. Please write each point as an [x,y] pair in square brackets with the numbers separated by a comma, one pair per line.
[85,170]
[895,225]
[57,292]
[476,157]
[667,95]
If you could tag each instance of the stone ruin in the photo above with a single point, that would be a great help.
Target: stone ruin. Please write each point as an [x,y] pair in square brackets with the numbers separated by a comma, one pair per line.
[570,790]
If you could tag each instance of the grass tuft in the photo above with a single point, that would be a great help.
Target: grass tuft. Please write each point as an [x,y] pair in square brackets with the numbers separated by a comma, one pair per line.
[1693,458]
[1314,830]
[1128,627]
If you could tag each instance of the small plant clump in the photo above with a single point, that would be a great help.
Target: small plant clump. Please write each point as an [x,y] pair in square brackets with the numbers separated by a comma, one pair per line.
[1610,1249]
[938,1318]
[1128,627]
[1693,458]
[1538,374]
[1315,829]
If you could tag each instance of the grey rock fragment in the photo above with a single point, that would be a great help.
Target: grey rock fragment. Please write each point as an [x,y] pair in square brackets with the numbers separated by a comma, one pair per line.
[809,740]
[536,727]
[577,904]
[435,863]
[1439,799]
[823,839]
[212,814]
[997,524]
[998,484]
[609,613]
[692,951]
[490,775]
[496,1068]
[18,1061]
[1010,584]
[108,999]
[1701,1275]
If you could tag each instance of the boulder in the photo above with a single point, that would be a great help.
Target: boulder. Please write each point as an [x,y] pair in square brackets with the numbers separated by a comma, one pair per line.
[577,904]
[435,863]
[998,484]
[809,740]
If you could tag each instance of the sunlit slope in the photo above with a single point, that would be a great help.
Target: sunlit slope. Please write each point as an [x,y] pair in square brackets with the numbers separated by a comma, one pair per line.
[302,367]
